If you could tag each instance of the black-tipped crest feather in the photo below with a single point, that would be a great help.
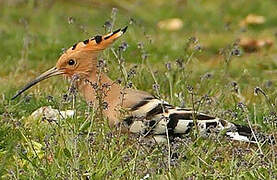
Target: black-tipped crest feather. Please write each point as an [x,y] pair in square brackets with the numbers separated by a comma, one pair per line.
[124,29]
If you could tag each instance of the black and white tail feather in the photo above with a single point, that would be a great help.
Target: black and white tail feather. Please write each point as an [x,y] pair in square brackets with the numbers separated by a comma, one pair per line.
[156,117]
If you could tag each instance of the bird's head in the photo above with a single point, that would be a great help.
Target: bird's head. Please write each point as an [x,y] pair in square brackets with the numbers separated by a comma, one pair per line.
[79,59]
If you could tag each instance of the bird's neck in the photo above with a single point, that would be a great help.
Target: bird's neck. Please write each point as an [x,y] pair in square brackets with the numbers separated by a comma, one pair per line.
[98,87]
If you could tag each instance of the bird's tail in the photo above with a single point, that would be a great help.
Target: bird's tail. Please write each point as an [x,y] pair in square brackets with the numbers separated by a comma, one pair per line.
[245,133]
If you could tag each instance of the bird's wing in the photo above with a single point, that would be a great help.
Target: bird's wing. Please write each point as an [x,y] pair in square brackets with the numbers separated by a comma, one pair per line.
[151,116]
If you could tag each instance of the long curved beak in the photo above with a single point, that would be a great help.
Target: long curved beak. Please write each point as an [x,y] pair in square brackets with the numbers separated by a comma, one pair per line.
[51,72]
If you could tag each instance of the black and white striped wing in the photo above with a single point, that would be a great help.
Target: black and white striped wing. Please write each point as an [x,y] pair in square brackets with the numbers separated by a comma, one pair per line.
[152,116]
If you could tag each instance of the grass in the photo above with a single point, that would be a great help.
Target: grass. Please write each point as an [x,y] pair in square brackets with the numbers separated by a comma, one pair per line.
[33,34]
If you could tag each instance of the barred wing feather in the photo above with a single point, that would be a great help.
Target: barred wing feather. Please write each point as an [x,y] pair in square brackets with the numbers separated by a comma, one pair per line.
[152,116]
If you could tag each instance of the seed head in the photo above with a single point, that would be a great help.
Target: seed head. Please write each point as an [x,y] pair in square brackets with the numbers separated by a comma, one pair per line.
[71,20]
[156,87]
[168,66]
[119,81]
[108,26]
[132,72]
[101,63]
[144,56]
[198,47]
[235,52]
[258,90]
[190,89]
[123,46]
[180,63]
[140,45]
[193,39]
[105,105]
[130,84]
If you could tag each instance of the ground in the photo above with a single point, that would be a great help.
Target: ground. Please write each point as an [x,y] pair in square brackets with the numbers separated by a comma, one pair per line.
[200,65]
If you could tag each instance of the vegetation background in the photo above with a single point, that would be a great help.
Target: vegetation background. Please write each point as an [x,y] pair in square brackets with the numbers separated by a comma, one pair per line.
[195,59]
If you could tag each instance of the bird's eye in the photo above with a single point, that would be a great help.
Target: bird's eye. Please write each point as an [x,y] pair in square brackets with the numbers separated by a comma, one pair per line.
[71,62]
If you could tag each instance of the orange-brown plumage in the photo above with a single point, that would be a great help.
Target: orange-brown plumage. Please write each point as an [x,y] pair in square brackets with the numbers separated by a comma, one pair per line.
[81,60]
[146,114]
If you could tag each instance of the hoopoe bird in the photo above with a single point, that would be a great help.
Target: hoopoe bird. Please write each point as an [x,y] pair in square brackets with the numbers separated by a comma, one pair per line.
[147,114]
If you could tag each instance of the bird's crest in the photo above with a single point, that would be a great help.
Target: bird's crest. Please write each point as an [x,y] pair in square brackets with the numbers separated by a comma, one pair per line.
[68,63]
[97,43]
